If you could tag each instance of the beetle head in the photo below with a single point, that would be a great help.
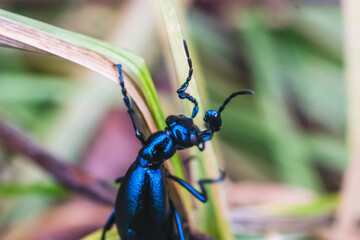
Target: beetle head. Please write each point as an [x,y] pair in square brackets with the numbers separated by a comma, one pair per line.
[213,120]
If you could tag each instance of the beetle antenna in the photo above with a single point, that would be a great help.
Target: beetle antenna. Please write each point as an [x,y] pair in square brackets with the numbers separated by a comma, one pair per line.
[228,99]
[181,91]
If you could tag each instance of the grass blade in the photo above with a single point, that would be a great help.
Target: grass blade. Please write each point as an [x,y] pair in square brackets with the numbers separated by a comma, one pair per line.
[213,220]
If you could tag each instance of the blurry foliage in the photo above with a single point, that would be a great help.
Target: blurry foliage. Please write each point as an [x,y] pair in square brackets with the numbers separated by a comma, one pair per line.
[292,59]
[32,101]
[8,190]
[291,56]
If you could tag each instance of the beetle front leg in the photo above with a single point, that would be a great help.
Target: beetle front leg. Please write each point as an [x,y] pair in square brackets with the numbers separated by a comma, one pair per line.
[201,195]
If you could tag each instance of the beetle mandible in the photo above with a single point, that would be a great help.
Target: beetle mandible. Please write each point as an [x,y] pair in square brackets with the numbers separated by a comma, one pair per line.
[143,209]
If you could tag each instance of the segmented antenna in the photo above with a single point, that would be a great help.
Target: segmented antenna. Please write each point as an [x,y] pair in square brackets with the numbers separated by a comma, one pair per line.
[227,100]
[181,91]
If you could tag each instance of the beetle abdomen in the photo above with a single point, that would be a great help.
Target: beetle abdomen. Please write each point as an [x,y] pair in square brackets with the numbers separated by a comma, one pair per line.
[142,205]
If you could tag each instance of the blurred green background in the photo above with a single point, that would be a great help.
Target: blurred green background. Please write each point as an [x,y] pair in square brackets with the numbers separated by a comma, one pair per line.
[287,139]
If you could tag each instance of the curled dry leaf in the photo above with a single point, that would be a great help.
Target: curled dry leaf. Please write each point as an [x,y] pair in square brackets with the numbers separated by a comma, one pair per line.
[18,35]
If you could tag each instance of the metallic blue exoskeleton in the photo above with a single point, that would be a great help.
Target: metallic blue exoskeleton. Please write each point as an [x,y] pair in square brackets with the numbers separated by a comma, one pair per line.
[143,209]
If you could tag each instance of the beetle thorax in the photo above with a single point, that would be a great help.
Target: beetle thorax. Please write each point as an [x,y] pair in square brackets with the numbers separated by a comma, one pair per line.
[158,148]
[183,131]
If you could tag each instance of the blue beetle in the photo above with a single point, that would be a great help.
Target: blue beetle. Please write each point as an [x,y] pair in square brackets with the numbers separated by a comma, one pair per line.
[143,209]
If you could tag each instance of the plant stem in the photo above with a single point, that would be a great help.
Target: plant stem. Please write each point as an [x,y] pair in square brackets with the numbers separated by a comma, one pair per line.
[347,216]
[69,176]
[213,220]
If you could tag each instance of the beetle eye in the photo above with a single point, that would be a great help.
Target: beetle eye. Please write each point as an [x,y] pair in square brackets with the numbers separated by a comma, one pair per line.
[193,139]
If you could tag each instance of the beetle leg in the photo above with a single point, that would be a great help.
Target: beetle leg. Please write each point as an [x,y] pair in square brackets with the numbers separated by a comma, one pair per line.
[131,112]
[108,225]
[178,221]
[201,195]
[119,180]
